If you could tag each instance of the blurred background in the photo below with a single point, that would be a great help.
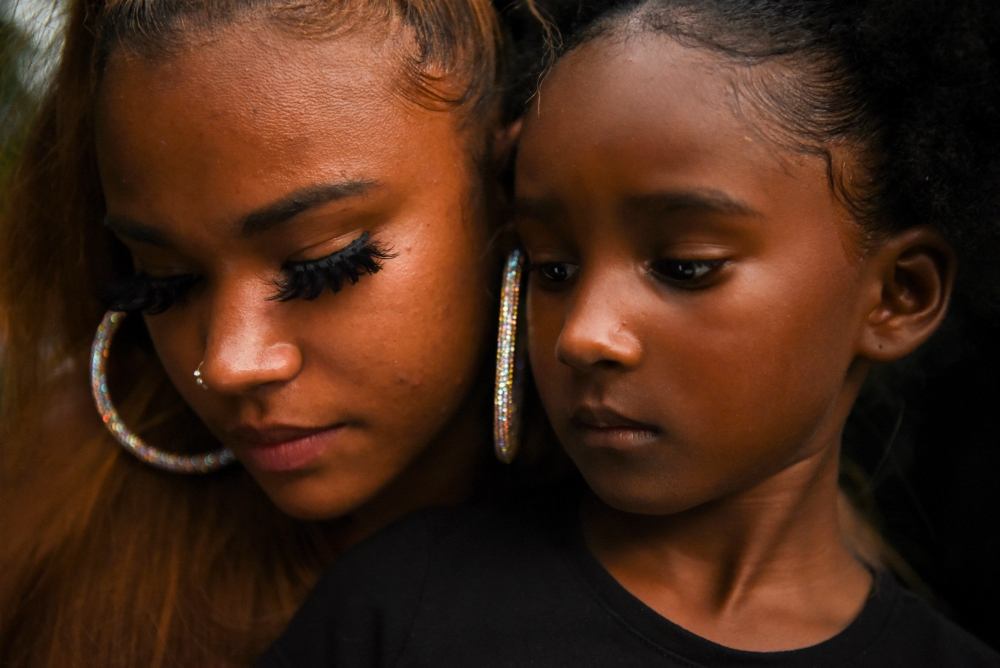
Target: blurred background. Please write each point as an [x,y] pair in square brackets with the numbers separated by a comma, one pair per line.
[922,449]
[29,48]
[922,456]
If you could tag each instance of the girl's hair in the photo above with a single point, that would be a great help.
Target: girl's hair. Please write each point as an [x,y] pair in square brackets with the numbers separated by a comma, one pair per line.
[909,90]
[105,561]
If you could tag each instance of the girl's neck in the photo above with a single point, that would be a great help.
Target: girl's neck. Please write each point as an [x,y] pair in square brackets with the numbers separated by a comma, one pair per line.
[765,569]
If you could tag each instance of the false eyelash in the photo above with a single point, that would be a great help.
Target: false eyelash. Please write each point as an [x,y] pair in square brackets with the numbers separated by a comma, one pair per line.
[145,294]
[306,280]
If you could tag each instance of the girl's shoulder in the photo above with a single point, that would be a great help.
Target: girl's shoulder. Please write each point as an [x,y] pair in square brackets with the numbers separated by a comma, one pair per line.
[916,629]
[502,586]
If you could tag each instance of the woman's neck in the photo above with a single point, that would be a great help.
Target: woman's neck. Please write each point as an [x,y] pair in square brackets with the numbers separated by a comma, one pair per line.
[765,569]
[445,473]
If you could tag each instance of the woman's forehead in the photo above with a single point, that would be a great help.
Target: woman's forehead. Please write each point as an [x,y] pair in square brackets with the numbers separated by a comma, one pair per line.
[231,125]
[255,60]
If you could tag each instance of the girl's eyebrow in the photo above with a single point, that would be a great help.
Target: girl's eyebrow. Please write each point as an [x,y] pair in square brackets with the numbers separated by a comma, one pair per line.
[536,207]
[651,203]
[669,201]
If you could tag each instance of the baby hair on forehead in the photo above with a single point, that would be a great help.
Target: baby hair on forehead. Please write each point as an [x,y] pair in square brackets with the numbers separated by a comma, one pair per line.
[907,90]
[448,52]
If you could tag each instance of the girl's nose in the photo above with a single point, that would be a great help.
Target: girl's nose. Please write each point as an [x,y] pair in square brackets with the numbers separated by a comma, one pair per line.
[596,331]
[246,347]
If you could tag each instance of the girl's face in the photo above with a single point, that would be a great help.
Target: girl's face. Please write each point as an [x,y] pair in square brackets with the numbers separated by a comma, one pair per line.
[239,159]
[696,293]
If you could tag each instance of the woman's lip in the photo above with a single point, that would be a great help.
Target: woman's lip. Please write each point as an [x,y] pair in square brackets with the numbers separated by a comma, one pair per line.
[280,449]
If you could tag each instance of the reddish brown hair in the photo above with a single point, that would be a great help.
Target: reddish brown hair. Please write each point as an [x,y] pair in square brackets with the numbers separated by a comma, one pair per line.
[105,561]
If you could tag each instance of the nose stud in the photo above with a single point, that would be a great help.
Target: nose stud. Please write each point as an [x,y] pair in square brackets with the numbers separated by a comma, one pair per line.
[199,381]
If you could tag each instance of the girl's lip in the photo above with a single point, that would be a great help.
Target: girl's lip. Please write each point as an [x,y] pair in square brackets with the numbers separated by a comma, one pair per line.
[604,418]
[280,449]
[602,427]
[616,438]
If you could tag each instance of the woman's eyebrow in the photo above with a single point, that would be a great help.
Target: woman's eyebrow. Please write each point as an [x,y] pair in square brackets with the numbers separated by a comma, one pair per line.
[261,220]
[136,231]
[281,211]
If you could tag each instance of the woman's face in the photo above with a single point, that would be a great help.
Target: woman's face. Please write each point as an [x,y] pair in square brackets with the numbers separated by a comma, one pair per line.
[697,294]
[252,150]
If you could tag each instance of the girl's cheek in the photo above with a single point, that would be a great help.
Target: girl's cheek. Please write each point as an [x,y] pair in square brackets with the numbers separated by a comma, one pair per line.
[546,315]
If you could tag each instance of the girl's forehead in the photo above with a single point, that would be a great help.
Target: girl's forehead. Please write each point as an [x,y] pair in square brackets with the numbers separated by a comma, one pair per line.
[633,90]
[645,119]
[661,104]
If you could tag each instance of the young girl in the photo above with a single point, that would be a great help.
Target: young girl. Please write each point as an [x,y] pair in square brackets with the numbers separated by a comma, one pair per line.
[731,210]
[287,207]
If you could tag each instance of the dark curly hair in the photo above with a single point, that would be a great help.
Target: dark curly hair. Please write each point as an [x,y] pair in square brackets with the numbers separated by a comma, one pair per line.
[913,85]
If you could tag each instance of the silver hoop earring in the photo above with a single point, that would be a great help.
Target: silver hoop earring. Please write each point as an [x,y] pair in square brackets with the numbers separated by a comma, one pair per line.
[205,463]
[198,380]
[510,366]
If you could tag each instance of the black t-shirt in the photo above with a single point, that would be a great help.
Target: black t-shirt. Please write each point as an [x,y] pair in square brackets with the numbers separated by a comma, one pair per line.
[485,588]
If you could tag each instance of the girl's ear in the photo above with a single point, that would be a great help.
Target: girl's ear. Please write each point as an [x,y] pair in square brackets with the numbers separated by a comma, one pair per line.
[915,272]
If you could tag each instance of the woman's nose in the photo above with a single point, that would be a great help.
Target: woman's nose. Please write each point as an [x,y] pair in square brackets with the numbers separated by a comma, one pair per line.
[246,346]
[596,331]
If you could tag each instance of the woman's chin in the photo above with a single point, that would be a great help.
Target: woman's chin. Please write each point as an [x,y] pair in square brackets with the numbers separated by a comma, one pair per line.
[313,497]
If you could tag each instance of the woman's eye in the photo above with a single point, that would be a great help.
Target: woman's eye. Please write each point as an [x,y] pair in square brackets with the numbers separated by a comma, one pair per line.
[147,294]
[554,273]
[681,272]
[307,280]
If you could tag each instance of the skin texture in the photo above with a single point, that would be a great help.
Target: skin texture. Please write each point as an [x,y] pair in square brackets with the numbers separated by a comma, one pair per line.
[189,145]
[706,414]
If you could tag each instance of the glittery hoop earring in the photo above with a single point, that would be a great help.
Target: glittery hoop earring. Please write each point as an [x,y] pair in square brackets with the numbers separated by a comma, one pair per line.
[205,463]
[510,366]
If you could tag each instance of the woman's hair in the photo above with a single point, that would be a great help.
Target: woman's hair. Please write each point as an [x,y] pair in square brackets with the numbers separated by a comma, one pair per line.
[908,90]
[106,561]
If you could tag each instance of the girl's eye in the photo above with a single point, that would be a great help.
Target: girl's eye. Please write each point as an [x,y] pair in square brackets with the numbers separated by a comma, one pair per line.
[146,294]
[554,273]
[307,280]
[685,273]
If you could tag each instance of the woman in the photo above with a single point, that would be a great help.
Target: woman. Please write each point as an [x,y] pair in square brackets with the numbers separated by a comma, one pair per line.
[294,203]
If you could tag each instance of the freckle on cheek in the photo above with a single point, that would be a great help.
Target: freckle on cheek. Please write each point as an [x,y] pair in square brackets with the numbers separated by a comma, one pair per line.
[403,380]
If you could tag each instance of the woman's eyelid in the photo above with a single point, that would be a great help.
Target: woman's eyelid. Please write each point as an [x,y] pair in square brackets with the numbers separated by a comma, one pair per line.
[162,264]
[325,248]
[164,273]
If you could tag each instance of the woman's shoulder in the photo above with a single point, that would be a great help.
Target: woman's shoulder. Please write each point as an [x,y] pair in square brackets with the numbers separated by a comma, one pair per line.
[435,538]
[440,567]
